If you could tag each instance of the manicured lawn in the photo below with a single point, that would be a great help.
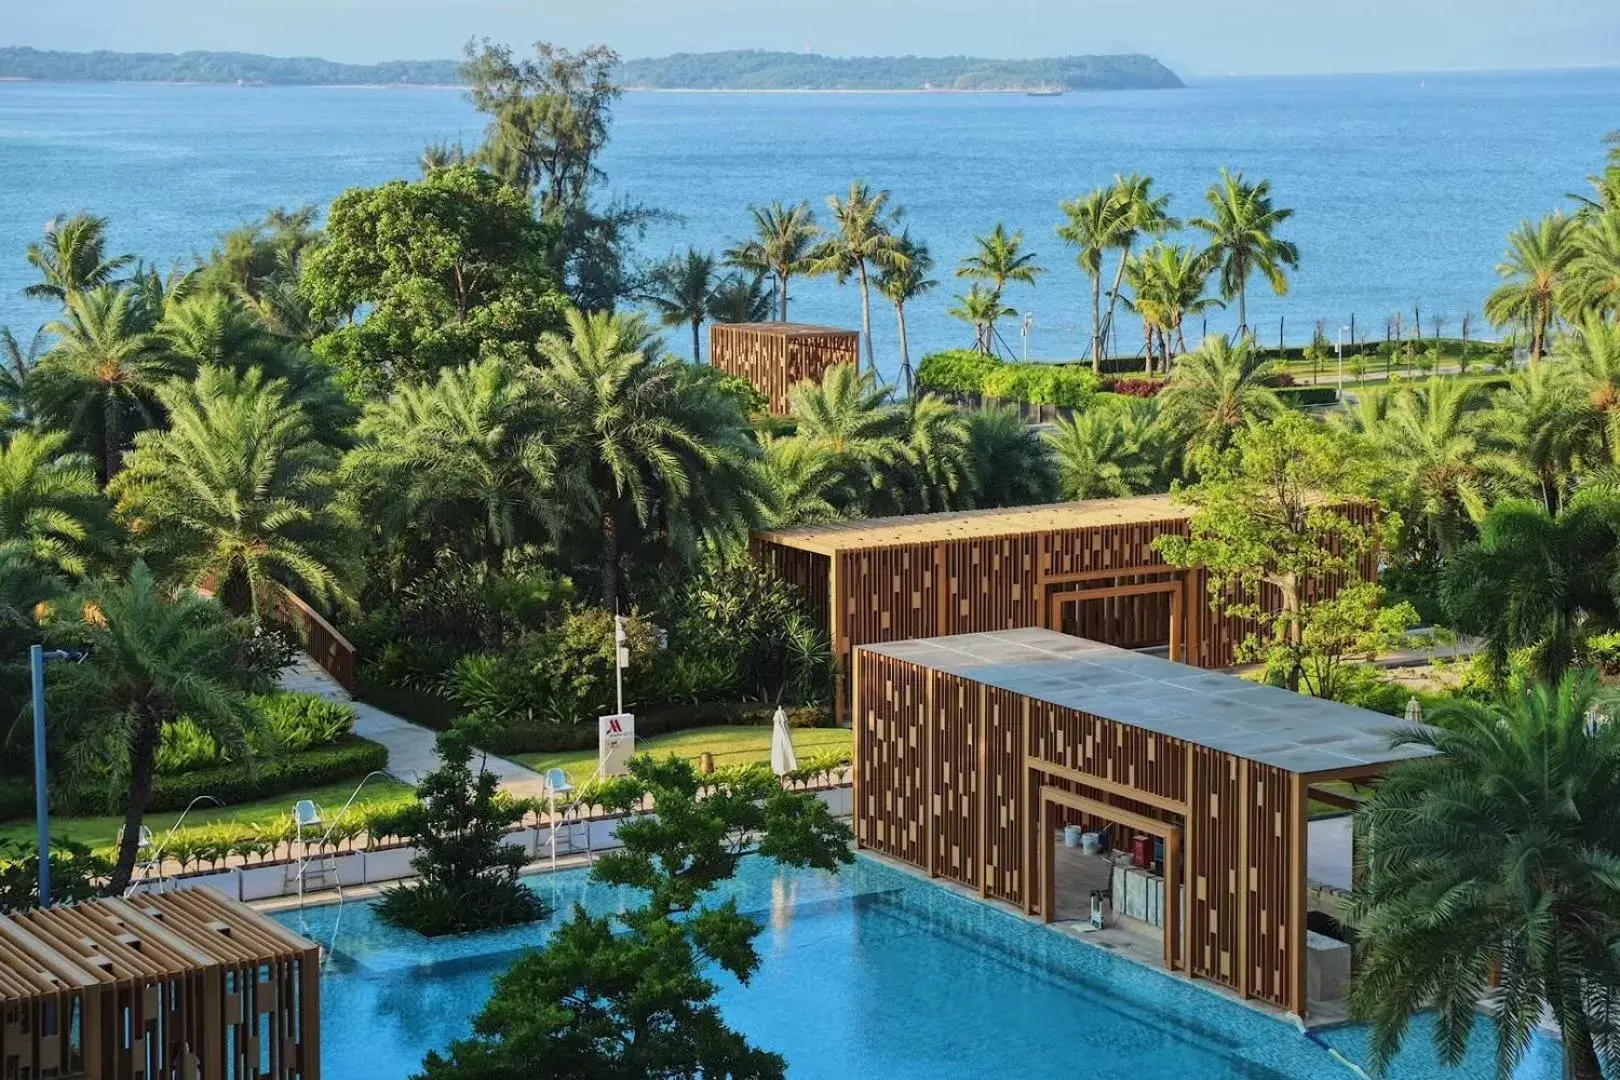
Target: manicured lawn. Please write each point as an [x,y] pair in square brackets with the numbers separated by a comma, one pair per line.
[731,744]
[102,832]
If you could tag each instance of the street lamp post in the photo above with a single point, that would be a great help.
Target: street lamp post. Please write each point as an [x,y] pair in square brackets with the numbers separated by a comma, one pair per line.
[37,656]
[1342,329]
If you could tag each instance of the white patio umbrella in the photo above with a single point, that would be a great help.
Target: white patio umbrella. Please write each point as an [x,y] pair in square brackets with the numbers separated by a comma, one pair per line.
[783,759]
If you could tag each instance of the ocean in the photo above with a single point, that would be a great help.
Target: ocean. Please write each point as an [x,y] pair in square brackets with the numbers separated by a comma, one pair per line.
[1403,187]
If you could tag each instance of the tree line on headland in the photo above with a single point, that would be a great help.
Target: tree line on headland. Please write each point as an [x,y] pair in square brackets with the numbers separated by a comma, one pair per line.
[743,69]
[440,416]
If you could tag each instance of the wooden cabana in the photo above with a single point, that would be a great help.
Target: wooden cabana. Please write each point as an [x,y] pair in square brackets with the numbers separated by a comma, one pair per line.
[971,751]
[775,357]
[183,986]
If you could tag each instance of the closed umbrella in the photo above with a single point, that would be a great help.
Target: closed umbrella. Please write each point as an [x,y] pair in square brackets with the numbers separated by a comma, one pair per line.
[1414,711]
[783,759]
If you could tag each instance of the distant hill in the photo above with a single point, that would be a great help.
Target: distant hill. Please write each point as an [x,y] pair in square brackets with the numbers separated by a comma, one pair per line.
[218,67]
[755,70]
[740,70]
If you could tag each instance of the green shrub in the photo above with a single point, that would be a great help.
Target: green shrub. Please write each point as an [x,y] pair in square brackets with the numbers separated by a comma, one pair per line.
[349,758]
[184,746]
[296,722]
[1304,396]
[16,797]
[75,874]
[958,371]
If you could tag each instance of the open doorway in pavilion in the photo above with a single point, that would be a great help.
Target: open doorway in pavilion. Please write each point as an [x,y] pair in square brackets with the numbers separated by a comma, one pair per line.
[1113,872]
[1142,612]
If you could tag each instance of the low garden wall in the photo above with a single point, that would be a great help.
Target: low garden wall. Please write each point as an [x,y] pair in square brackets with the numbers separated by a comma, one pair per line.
[364,862]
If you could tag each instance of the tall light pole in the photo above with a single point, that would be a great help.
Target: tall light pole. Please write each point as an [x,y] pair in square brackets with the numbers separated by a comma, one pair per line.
[1342,329]
[37,656]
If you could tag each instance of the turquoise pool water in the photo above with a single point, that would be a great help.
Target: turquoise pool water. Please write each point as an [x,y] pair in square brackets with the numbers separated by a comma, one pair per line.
[870,973]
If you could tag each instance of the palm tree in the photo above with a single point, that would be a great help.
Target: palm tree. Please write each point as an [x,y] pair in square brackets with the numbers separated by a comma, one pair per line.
[900,285]
[782,247]
[804,479]
[681,289]
[1539,581]
[100,380]
[50,505]
[740,297]
[1441,460]
[237,494]
[154,654]
[72,258]
[1138,213]
[851,417]
[1215,390]
[1094,223]
[999,258]
[939,451]
[1175,278]
[1011,464]
[466,462]
[646,446]
[980,308]
[1545,433]
[1098,456]
[1533,270]
[1488,875]
[1594,272]
[1242,229]
[1592,355]
[863,239]
[16,365]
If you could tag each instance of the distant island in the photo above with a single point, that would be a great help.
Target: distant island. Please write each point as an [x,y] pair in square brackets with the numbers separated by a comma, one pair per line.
[736,70]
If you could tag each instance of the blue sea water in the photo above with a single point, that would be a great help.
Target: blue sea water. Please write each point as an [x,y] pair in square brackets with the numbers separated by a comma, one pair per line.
[1403,186]
[871,973]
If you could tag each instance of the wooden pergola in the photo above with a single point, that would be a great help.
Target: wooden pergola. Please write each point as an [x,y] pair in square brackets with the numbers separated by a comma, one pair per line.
[972,750]
[179,986]
[775,357]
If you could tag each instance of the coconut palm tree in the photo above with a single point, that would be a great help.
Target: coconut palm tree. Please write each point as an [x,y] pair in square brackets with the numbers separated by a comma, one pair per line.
[1594,272]
[1215,390]
[1441,460]
[16,365]
[1539,581]
[681,290]
[862,240]
[1242,229]
[999,258]
[72,258]
[1098,456]
[50,504]
[1175,279]
[782,247]
[980,308]
[465,462]
[647,448]
[1591,352]
[100,380]
[1094,222]
[851,417]
[237,493]
[740,297]
[1487,879]
[154,654]
[1139,214]
[1545,432]
[1533,272]
[1011,463]
[901,286]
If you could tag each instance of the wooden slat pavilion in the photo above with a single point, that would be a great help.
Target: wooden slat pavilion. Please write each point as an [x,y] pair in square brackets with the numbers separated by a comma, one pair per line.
[182,986]
[774,357]
[1086,568]
[971,751]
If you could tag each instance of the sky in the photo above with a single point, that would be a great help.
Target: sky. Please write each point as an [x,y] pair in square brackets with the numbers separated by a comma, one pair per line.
[1191,36]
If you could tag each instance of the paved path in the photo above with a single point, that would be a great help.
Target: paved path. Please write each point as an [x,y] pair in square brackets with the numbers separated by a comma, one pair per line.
[411,754]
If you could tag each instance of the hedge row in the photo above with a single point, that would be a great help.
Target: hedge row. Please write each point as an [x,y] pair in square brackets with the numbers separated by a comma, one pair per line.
[348,758]
[964,371]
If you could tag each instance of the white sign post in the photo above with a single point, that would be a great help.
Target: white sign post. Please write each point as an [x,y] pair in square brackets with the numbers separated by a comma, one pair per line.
[615,743]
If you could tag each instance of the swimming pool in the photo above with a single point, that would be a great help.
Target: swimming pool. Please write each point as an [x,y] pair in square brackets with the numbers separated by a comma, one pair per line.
[869,973]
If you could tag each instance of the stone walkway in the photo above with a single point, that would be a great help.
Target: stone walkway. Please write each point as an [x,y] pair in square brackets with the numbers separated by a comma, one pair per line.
[411,754]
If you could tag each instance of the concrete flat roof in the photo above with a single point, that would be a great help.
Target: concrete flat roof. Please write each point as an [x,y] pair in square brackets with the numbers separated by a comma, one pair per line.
[1293,732]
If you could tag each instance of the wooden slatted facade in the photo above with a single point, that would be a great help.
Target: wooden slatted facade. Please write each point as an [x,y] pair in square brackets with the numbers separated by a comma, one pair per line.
[1086,568]
[969,782]
[183,986]
[776,357]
